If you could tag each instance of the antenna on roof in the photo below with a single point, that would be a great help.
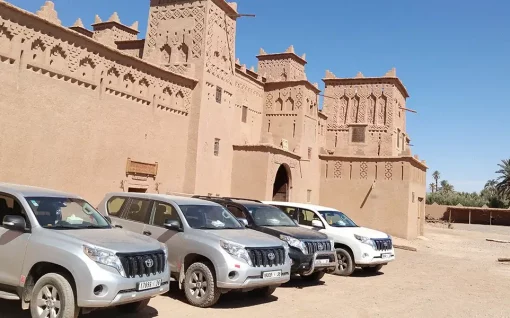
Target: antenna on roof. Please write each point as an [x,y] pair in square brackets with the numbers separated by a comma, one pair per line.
[240,15]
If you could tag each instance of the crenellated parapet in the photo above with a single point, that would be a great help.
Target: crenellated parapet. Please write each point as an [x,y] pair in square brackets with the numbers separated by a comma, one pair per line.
[111,31]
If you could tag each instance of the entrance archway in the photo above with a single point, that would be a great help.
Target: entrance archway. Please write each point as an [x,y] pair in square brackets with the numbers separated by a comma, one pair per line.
[281,186]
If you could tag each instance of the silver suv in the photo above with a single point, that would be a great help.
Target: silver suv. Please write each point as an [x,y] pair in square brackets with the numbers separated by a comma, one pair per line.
[61,257]
[210,251]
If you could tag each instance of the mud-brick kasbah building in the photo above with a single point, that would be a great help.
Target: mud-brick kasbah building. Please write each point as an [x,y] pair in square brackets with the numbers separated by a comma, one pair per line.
[97,110]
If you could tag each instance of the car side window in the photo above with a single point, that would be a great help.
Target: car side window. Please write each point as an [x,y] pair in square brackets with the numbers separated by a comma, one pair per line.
[138,210]
[292,212]
[10,206]
[115,204]
[237,212]
[306,217]
[164,212]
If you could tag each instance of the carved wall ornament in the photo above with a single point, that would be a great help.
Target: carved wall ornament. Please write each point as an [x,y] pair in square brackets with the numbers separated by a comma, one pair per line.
[337,173]
[388,170]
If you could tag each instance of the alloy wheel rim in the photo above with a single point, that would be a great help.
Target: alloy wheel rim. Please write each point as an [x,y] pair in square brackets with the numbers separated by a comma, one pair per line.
[342,262]
[198,284]
[48,302]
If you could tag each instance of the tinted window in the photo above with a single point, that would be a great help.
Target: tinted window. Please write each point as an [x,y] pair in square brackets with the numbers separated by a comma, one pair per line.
[237,212]
[337,219]
[115,205]
[292,212]
[164,212]
[138,210]
[66,213]
[266,215]
[306,217]
[212,217]
[9,206]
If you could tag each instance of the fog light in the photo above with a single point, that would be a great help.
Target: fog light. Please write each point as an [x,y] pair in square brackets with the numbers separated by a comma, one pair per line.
[365,255]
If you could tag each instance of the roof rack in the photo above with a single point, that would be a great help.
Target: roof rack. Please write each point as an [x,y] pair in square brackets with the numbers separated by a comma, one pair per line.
[209,197]
[244,199]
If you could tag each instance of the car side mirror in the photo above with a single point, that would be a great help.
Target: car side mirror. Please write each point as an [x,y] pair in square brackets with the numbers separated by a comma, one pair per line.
[173,225]
[317,224]
[14,223]
[243,221]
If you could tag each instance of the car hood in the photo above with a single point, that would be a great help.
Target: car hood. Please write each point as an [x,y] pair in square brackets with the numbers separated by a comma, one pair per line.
[362,231]
[294,231]
[113,239]
[245,237]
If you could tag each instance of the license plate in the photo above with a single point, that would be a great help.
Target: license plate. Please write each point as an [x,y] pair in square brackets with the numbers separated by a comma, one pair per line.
[273,274]
[321,261]
[385,255]
[149,285]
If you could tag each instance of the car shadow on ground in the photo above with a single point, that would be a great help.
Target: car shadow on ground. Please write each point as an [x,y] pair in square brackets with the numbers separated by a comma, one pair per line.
[361,273]
[12,309]
[299,283]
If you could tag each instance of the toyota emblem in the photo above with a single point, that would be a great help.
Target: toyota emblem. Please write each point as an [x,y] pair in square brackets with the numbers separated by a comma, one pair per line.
[320,247]
[149,262]
[271,256]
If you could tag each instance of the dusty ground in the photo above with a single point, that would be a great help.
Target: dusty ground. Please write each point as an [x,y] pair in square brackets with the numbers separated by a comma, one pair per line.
[453,274]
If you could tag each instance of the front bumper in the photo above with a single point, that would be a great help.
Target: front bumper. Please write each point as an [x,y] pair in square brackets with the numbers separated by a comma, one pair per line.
[307,264]
[239,275]
[368,256]
[118,290]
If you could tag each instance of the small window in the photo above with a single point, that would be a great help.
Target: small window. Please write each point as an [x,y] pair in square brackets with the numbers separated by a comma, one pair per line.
[398,138]
[115,204]
[309,153]
[237,212]
[164,212]
[306,217]
[216,147]
[308,195]
[138,211]
[219,91]
[245,114]
[358,134]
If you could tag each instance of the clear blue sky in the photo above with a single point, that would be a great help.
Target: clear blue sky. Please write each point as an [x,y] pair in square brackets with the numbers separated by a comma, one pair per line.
[453,57]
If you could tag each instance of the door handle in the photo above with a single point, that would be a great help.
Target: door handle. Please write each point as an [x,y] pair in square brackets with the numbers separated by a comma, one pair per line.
[147,233]
[118,226]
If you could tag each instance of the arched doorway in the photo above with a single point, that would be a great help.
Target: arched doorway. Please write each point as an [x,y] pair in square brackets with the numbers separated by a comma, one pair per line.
[281,184]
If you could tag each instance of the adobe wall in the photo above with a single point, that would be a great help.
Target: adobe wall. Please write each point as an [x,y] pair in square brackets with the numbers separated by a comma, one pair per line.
[347,184]
[436,211]
[73,111]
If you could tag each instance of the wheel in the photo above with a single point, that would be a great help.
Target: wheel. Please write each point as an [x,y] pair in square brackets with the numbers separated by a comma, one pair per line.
[345,263]
[314,277]
[199,286]
[135,307]
[265,291]
[53,296]
[374,269]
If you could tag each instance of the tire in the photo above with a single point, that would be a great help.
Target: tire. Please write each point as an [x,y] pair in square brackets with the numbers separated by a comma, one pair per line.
[345,265]
[374,269]
[53,292]
[314,277]
[265,291]
[206,293]
[135,307]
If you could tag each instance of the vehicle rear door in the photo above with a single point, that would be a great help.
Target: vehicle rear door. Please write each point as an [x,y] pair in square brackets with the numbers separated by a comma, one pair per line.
[130,213]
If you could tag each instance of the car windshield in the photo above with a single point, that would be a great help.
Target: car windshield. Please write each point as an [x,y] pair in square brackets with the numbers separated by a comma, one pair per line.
[337,219]
[66,213]
[210,217]
[266,215]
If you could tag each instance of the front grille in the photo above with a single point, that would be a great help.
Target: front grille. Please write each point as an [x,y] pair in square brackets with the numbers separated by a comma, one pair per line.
[318,246]
[136,264]
[266,256]
[383,244]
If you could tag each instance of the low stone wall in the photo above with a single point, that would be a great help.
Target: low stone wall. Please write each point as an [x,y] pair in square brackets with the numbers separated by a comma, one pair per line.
[459,214]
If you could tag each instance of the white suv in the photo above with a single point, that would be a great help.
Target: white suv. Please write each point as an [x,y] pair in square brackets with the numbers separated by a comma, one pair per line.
[355,246]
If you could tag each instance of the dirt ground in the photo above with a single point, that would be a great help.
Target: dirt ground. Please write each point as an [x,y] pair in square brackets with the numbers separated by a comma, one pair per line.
[454,273]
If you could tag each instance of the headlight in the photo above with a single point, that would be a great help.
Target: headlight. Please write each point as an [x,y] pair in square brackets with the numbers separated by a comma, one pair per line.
[365,240]
[237,251]
[294,243]
[105,257]
[165,250]
[332,244]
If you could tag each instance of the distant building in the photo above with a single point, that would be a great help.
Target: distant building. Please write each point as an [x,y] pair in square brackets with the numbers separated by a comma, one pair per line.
[99,110]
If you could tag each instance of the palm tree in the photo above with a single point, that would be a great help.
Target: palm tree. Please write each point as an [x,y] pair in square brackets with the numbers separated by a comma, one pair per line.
[489,190]
[446,186]
[436,175]
[432,187]
[503,186]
